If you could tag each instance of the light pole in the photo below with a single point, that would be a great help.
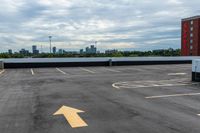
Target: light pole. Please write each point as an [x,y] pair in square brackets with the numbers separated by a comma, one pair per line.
[50,42]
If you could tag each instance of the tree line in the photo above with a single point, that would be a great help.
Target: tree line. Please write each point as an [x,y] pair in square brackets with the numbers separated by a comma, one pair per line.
[162,52]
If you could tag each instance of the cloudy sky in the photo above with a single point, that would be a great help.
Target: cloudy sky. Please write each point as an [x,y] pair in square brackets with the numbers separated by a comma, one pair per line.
[75,24]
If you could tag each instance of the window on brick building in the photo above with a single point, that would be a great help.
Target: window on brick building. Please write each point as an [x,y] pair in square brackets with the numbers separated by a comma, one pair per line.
[191,47]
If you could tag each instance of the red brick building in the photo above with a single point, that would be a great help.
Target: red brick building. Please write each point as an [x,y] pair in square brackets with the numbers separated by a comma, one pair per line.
[190,40]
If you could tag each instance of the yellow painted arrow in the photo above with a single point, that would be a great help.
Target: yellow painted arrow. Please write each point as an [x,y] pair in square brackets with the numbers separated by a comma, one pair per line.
[71,115]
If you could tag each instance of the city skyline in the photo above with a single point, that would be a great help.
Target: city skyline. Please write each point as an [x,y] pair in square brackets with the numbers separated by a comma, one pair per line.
[121,24]
[92,49]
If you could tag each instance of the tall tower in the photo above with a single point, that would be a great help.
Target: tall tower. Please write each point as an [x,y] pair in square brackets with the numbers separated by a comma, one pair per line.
[50,37]
[190,38]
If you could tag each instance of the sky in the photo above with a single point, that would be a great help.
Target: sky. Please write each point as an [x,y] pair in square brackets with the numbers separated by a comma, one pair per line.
[75,24]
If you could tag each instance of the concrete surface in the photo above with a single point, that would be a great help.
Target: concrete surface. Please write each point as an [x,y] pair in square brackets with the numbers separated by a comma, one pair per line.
[88,62]
[1,65]
[133,99]
[196,70]
[98,59]
[196,65]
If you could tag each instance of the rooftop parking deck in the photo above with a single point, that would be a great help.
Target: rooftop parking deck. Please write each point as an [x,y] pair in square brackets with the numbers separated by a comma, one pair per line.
[121,99]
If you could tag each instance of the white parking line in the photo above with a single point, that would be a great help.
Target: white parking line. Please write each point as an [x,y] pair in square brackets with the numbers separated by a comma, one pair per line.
[174,95]
[114,86]
[176,74]
[32,72]
[198,114]
[61,71]
[153,85]
[112,70]
[1,72]
[147,84]
[87,70]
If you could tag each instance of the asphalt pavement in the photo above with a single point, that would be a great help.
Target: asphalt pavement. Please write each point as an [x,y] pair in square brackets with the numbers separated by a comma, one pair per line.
[126,99]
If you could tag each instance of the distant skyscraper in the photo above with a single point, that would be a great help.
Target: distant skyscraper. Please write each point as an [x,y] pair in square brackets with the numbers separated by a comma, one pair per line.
[10,51]
[60,51]
[91,50]
[87,50]
[34,49]
[24,52]
[81,51]
[50,37]
[54,50]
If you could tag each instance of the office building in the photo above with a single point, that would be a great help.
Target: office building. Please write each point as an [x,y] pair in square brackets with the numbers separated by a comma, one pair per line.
[91,50]
[34,49]
[70,52]
[54,50]
[10,51]
[87,50]
[111,51]
[190,40]
[24,52]
[60,51]
[81,51]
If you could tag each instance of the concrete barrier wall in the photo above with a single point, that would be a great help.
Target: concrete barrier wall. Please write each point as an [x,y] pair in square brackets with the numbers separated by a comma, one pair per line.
[55,64]
[87,64]
[107,61]
[196,70]
[1,65]
[97,59]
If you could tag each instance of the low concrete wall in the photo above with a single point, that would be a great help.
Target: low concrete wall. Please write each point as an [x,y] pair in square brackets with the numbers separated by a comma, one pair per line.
[196,70]
[107,61]
[55,64]
[88,64]
[1,65]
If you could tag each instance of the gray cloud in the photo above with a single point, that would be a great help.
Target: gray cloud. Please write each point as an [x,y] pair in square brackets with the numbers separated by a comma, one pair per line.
[74,24]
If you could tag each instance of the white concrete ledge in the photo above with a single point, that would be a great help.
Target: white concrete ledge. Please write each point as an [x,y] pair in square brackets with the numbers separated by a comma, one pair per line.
[196,65]
[196,70]
[1,65]
[115,59]
[108,61]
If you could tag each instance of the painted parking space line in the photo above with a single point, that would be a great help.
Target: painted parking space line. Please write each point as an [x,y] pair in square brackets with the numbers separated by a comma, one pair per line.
[115,86]
[61,71]
[148,84]
[173,95]
[180,66]
[1,72]
[176,74]
[32,72]
[111,70]
[87,70]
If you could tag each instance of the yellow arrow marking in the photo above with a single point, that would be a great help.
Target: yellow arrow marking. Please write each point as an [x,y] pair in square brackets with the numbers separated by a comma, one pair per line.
[71,115]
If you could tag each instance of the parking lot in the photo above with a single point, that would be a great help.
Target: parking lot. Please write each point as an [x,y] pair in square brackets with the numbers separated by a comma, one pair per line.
[123,99]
